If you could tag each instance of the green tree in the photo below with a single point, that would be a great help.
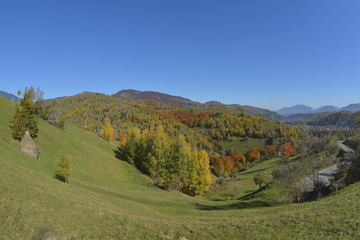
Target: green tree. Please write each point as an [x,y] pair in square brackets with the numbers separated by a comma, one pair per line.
[25,115]
[17,125]
[263,178]
[64,171]
[130,146]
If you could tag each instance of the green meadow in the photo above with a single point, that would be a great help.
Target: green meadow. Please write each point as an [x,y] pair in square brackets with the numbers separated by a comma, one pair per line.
[107,198]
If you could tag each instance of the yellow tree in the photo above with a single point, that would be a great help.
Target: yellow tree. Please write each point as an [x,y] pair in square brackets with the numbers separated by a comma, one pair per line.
[64,171]
[107,131]
[198,178]
[204,172]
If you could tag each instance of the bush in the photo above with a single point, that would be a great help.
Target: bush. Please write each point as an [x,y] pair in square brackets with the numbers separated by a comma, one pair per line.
[263,178]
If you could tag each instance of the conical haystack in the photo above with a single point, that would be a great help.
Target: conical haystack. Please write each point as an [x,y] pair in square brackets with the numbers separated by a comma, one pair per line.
[28,146]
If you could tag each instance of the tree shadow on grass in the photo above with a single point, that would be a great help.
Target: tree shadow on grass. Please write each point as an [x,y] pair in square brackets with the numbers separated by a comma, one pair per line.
[245,202]
[238,205]
[253,171]
[61,179]
[119,154]
[251,194]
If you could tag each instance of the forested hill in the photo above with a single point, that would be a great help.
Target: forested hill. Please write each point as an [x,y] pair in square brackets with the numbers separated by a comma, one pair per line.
[257,111]
[205,128]
[155,96]
[176,100]
[338,119]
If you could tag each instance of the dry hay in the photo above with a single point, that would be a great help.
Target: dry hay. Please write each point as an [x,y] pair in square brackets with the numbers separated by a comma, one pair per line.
[28,146]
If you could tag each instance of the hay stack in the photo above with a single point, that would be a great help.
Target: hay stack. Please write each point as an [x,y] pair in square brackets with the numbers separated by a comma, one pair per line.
[28,146]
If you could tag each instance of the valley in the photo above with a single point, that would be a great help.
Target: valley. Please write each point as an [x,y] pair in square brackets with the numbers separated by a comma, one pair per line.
[179,120]
[109,198]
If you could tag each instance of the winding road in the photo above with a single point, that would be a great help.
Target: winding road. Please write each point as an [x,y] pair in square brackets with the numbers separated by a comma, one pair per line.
[325,174]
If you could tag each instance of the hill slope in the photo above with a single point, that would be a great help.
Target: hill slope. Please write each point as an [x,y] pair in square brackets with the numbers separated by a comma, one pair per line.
[155,96]
[9,96]
[167,99]
[257,111]
[352,107]
[108,199]
[338,119]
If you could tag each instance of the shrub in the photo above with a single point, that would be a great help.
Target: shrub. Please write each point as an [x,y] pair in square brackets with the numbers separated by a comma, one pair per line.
[263,178]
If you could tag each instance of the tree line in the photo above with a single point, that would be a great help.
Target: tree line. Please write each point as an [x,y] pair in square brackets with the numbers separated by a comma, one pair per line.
[172,162]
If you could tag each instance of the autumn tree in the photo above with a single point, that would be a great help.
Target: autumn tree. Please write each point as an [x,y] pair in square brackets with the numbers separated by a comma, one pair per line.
[287,150]
[170,161]
[123,140]
[231,164]
[239,159]
[253,154]
[107,131]
[204,172]
[64,170]
[218,165]
[270,151]
[198,177]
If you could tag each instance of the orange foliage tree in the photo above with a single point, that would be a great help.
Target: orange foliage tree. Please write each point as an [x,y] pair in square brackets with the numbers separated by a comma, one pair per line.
[287,150]
[239,159]
[253,154]
[270,151]
[235,162]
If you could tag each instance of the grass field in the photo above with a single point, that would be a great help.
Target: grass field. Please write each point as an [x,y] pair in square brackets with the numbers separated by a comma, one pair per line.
[108,199]
[243,185]
[243,145]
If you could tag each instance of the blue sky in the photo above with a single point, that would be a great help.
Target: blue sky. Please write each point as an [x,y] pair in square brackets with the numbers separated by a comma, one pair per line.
[268,54]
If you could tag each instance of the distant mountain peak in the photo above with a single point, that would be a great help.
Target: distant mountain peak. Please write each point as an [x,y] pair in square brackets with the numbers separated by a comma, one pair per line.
[300,108]
[352,107]
[326,108]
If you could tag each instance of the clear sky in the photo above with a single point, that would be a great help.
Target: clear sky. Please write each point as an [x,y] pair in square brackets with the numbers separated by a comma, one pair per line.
[264,53]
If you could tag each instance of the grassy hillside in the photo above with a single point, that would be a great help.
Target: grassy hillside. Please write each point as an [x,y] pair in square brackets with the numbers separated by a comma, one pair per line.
[108,199]
[243,188]
[243,145]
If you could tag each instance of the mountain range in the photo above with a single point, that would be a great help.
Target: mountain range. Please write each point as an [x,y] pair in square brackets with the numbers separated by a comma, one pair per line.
[302,109]
[296,112]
